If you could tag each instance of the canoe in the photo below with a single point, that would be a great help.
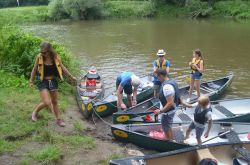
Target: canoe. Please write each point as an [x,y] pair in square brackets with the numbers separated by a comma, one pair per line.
[107,106]
[150,136]
[230,110]
[213,89]
[86,94]
[226,154]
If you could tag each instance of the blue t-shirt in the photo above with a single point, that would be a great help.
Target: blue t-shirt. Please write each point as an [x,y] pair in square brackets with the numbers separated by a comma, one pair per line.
[125,78]
[155,66]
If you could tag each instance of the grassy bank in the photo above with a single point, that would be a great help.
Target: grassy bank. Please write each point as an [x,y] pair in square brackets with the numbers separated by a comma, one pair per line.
[24,14]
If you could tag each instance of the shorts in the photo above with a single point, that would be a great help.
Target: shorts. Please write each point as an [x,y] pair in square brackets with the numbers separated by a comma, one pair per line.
[167,121]
[199,131]
[127,88]
[196,75]
[50,85]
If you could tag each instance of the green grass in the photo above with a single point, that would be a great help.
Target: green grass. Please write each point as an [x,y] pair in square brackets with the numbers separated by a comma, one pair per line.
[24,14]
[78,127]
[47,154]
[129,9]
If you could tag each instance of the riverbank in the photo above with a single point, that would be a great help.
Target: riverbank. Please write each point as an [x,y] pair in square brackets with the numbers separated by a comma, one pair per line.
[123,9]
[43,142]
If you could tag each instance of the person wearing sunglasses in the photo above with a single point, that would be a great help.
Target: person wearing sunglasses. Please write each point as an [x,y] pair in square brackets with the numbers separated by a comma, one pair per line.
[160,63]
[48,68]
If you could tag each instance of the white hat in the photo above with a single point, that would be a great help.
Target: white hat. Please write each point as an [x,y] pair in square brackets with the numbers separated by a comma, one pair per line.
[161,52]
[135,80]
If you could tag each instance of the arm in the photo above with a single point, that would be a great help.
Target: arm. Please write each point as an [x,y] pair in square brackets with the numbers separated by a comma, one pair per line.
[201,68]
[169,105]
[155,68]
[168,66]
[65,71]
[33,73]
[208,128]
[134,102]
[185,104]
[119,97]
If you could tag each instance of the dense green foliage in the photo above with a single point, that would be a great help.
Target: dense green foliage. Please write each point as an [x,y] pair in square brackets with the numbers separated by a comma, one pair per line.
[75,9]
[19,50]
[128,9]
[12,3]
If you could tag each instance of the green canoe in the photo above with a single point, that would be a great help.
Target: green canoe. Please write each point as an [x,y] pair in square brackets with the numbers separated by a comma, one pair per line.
[229,154]
[85,95]
[107,106]
[214,89]
[150,136]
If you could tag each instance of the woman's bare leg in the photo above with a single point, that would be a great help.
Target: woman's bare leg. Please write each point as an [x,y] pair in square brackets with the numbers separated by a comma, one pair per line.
[197,86]
[44,94]
[54,101]
[191,88]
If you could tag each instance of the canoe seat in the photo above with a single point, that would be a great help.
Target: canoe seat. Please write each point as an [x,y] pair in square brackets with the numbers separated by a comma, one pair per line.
[178,135]
[213,85]
[204,154]
[233,137]
[244,153]
[224,111]
[184,117]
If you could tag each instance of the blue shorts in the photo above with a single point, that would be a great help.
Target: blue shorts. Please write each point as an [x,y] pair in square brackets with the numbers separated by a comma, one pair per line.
[195,75]
[127,88]
[167,121]
[198,131]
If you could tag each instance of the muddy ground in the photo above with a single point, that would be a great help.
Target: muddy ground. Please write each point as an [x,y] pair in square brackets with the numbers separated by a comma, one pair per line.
[106,145]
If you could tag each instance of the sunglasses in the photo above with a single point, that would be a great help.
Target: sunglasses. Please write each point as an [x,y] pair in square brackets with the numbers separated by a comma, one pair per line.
[160,56]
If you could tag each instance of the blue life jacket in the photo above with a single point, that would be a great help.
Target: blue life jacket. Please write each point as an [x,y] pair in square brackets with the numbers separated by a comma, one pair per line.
[163,99]
[200,116]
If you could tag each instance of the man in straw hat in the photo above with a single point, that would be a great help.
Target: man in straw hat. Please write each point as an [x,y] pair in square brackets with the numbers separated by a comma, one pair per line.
[160,63]
[127,82]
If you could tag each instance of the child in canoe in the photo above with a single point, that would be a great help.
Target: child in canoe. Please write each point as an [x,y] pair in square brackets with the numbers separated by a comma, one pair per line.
[202,115]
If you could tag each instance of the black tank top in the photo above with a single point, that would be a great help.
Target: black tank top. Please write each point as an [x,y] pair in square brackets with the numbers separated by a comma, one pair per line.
[50,70]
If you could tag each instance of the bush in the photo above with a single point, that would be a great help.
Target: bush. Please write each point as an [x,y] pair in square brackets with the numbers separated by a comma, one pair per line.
[128,9]
[238,9]
[76,9]
[18,51]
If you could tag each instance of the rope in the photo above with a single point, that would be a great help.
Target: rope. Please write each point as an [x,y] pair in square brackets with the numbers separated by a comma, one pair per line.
[107,123]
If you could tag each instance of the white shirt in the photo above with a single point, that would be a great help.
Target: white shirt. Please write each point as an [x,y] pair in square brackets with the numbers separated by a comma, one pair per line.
[168,90]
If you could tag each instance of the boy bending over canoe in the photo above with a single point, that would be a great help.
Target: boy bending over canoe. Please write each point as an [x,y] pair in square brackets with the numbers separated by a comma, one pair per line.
[202,115]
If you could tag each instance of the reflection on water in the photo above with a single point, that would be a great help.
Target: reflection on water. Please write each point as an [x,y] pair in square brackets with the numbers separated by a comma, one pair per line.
[114,46]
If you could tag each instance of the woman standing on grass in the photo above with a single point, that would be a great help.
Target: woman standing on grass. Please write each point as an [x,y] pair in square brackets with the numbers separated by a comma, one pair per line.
[48,67]
[197,67]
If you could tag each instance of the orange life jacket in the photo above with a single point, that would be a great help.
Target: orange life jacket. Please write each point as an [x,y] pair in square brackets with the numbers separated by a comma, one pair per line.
[195,62]
[161,65]
[41,67]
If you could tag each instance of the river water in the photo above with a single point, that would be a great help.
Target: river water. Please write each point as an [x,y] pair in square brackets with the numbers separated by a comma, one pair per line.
[114,46]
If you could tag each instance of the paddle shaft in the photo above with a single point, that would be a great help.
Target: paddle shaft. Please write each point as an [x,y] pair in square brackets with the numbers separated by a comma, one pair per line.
[216,136]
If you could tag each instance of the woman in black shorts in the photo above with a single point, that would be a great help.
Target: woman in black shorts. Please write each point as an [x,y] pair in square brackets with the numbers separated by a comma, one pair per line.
[48,67]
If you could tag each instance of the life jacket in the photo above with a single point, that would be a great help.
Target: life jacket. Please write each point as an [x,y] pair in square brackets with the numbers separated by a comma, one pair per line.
[40,70]
[91,82]
[163,99]
[195,62]
[200,116]
[161,65]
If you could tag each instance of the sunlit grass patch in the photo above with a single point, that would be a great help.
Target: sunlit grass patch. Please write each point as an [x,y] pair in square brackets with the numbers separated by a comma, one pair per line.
[47,154]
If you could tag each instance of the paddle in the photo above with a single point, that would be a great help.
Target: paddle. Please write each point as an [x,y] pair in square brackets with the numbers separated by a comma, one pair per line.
[222,134]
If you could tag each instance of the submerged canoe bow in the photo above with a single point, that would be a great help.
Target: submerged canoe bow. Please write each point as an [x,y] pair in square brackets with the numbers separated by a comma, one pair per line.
[213,89]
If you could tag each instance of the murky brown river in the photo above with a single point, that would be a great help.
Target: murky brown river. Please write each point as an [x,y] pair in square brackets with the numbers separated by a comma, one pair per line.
[114,46]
